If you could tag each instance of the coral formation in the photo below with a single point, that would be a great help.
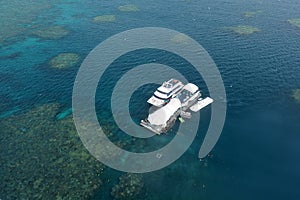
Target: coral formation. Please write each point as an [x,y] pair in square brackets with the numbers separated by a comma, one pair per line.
[105,18]
[128,8]
[129,187]
[53,32]
[251,14]
[244,30]
[45,159]
[180,38]
[296,95]
[295,22]
[64,60]
[17,17]
[11,56]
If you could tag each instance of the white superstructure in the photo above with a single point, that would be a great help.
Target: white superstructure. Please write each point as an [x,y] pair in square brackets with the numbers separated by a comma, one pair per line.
[165,92]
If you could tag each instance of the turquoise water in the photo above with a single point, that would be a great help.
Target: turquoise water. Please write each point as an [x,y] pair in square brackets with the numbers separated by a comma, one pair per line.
[257,156]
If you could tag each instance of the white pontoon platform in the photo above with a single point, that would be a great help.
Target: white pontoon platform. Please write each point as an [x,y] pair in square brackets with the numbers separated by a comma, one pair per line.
[172,103]
[201,103]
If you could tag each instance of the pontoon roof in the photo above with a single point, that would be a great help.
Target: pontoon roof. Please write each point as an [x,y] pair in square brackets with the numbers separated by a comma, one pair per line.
[162,115]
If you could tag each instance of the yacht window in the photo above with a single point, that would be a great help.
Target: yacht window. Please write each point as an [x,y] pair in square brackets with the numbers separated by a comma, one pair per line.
[173,90]
[160,97]
[162,92]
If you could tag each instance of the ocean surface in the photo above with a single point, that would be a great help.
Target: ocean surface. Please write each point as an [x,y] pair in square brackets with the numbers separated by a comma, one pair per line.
[258,153]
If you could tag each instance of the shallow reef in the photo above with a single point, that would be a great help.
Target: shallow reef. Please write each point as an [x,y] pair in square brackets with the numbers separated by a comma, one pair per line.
[294,22]
[11,56]
[52,32]
[180,38]
[296,95]
[128,8]
[64,60]
[251,14]
[130,186]
[244,30]
[17,17]
[44,158]
[105,18]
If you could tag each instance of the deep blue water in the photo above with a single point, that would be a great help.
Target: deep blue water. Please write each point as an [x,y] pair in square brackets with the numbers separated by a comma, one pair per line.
[258,154]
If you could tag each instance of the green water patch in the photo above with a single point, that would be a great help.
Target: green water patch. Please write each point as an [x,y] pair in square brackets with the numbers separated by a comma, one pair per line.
[52,32]
[45,159]
[64,60]
[243,30]
[104,18]
[128,8]
[64,114]
[294,22]
[130,186]
[251,14]
[296,95]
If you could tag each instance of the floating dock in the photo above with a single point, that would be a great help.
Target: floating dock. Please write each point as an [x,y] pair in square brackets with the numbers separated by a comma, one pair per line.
[201,103]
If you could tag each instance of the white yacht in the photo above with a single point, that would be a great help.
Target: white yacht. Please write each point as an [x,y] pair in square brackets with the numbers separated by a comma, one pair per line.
[165,92]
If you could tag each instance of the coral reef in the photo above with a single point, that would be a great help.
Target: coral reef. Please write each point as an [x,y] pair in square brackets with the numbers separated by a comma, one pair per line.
[296,95]
[244,30]
[43,158]
[294,22]
[105,18]
[9,112]
[180,38]
[17,17]
[53,32]
[128,8]
[251,14]
[64,60]
[129,187]
[11,56]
